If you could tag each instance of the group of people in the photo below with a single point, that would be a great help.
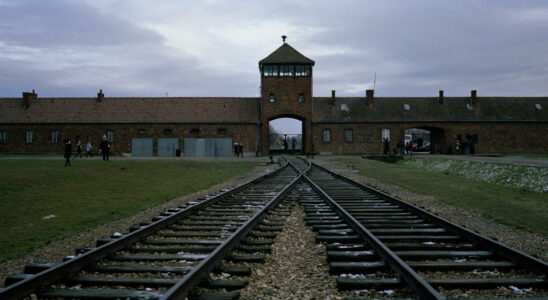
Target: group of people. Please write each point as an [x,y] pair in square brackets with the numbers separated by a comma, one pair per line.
[238,149]
[104,149]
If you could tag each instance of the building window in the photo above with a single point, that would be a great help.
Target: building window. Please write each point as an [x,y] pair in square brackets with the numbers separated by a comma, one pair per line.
[142,131]
[30,136]
[55,136]
[301,98]
[168,131]
[302,70]
[110,136]
[326,136]
[271,98]
[386,134]
[270,70]
[370,139]
[221,131]
[286,70]
[3,137]
[348,135]
[89,139]
[360,138]
[195,131]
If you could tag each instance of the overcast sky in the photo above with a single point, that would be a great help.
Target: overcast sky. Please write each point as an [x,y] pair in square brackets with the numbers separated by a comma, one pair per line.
[65,48]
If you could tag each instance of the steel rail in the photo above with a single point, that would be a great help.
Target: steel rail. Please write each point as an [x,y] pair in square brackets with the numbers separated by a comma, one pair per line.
[194,277]
[73,266]
[516,256]
[416,282]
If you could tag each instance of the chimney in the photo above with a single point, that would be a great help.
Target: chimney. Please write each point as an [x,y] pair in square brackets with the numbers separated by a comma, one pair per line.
[27,97]
[332,101]
[369,95]
[100,96]
[440,99]
[473,96]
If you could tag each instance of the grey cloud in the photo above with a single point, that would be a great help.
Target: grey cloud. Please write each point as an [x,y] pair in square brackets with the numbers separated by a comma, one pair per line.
[53,24]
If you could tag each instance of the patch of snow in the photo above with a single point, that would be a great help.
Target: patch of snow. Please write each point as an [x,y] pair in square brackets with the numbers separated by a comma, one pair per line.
[520,291]
[48,217]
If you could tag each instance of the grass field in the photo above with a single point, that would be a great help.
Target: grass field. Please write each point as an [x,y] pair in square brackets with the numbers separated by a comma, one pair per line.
[513,206]
[90,193]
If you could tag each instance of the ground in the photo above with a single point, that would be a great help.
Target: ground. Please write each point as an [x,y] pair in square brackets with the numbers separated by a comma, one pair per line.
[522,240]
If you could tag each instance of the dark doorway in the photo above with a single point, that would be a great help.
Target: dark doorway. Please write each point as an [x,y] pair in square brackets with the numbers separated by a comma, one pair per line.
[425,139]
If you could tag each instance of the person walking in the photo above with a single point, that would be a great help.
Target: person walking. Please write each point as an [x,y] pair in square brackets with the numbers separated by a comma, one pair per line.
[78,147]
[89,147]
[68,151]
[105,148]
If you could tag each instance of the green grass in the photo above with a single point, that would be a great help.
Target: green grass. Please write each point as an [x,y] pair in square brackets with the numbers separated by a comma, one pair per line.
[513,206]
[90,193]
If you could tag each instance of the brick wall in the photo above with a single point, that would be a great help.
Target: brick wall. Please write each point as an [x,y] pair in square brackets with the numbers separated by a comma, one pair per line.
[286,91]
[123,133]
[491,137]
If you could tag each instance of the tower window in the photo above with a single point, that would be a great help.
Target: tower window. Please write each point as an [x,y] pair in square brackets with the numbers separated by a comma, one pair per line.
[270,70]
[301,98]
[286,70]
[302,70]
[271,98]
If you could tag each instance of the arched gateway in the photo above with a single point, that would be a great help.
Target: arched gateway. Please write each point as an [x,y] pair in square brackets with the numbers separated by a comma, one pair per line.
[286,90]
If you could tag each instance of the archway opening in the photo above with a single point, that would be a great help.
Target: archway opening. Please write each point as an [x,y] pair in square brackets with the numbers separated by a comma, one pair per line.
[424,139]
[285,135]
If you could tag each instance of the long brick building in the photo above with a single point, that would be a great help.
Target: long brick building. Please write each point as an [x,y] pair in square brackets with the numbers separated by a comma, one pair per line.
[210,126]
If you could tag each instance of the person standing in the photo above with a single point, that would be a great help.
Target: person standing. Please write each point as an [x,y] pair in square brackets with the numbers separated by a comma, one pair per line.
[78,147]
[105,148]
[89,147]
[68,151]
[236,150]
[241,149]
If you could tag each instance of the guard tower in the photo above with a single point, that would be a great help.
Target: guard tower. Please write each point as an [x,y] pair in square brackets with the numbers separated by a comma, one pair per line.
[286,91]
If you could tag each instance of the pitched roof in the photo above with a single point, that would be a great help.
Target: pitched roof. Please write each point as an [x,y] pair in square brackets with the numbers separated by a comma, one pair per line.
[286,55]
[129,110]
[429,109]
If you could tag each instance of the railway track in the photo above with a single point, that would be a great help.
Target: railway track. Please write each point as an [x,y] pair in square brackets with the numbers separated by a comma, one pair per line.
[376,241]
[172,256]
